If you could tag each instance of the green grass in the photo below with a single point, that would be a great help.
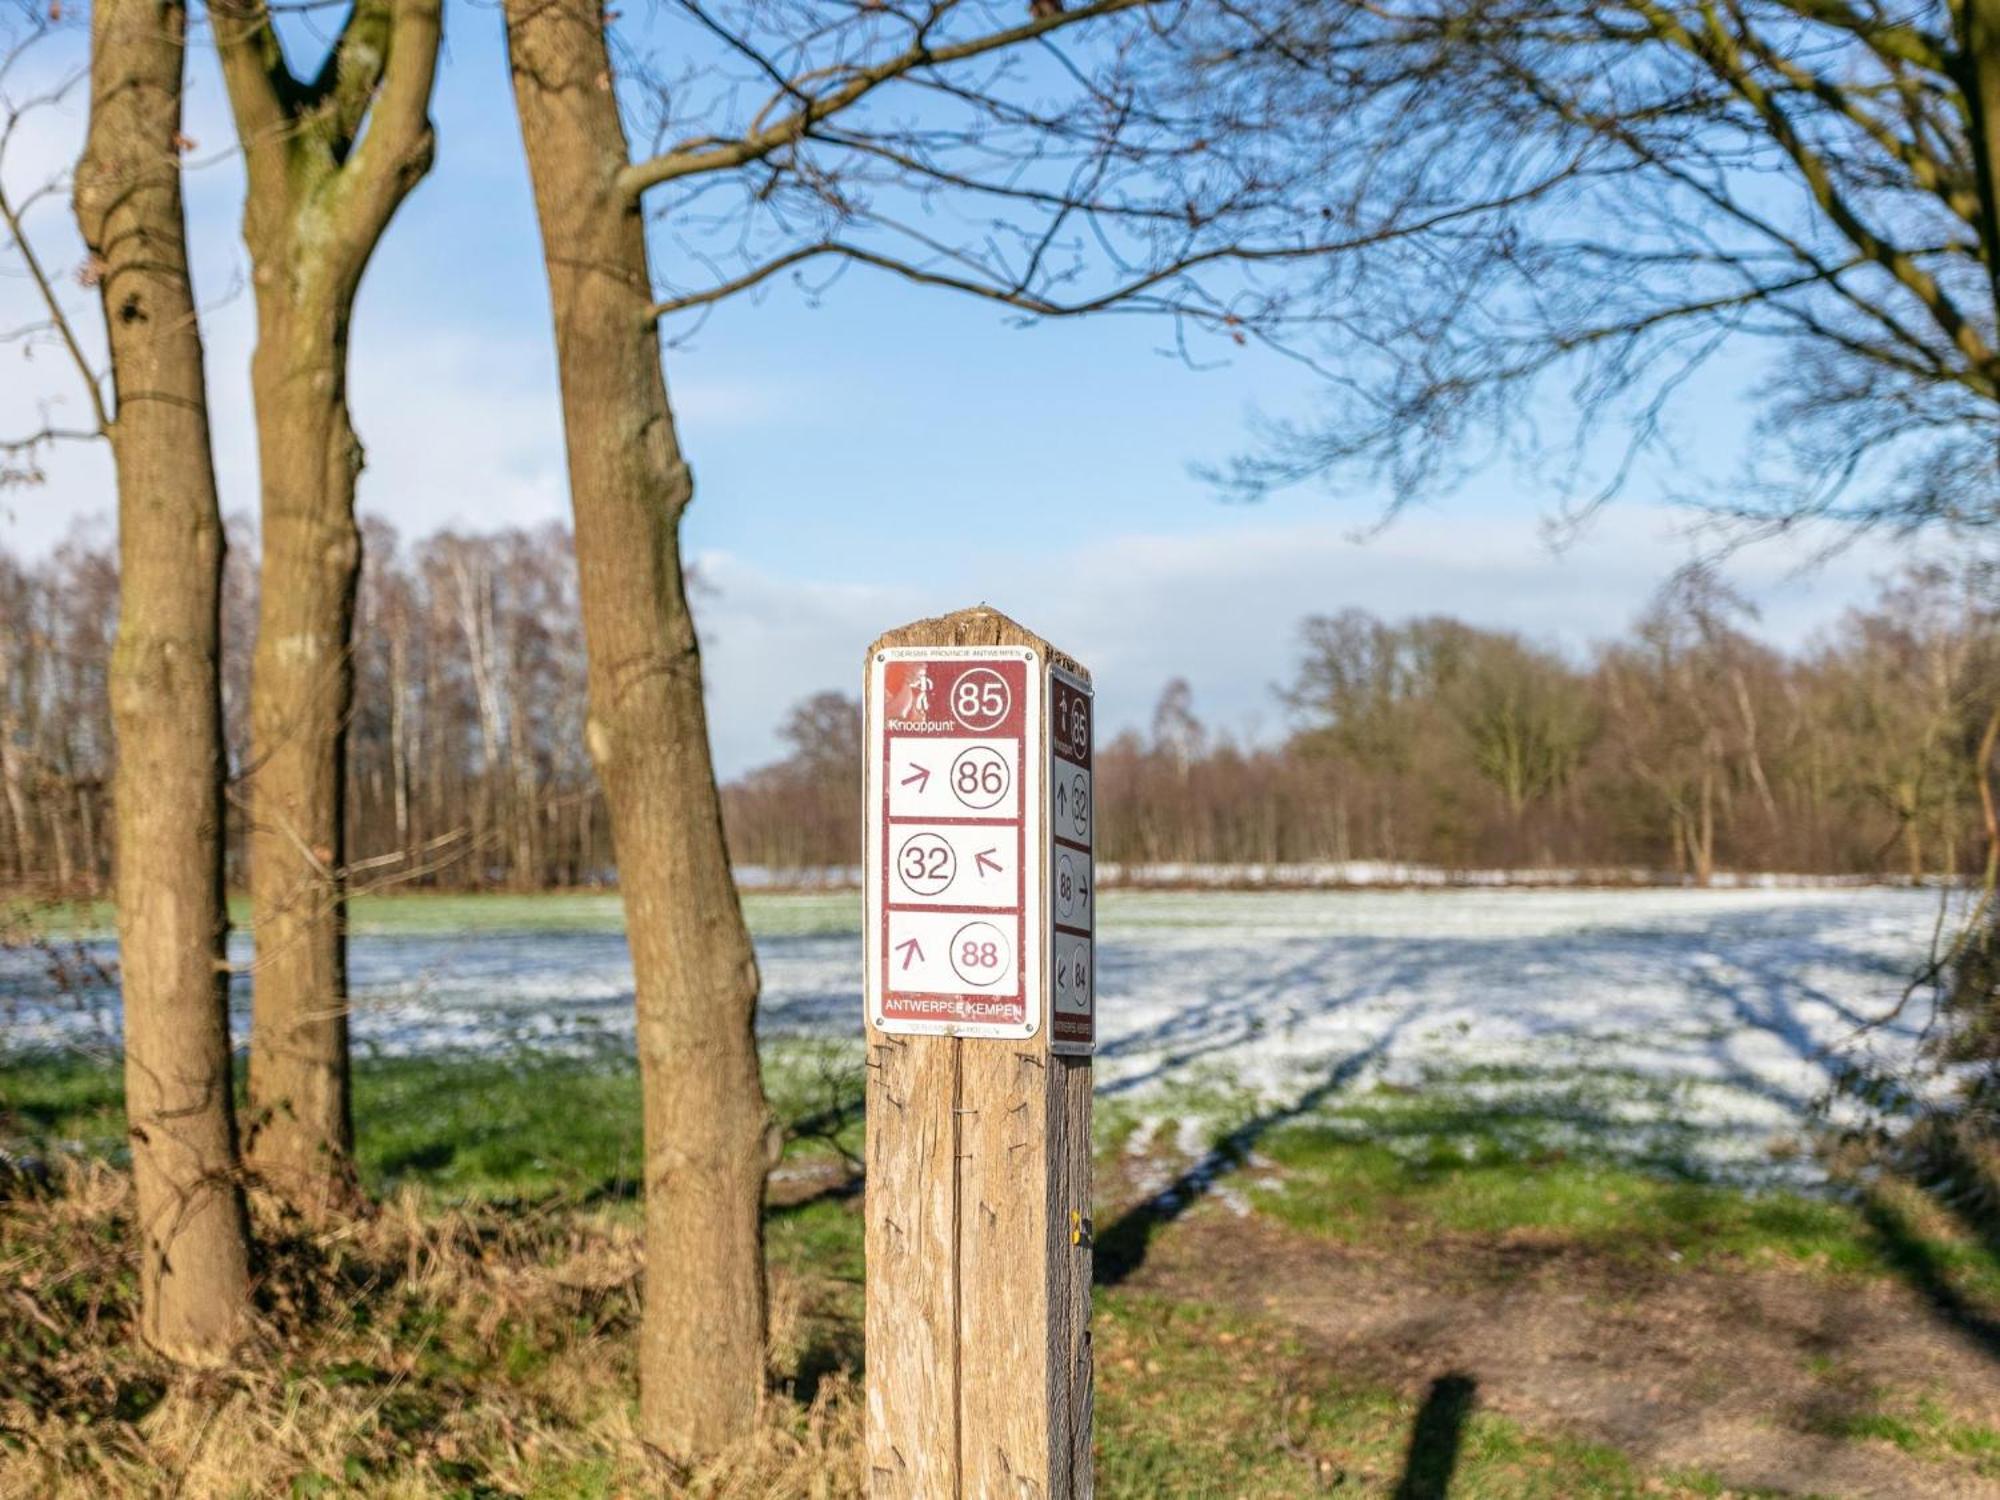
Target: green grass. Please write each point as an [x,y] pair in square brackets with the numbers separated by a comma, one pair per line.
[790,914]
[1921,1428]
[61,1103]
[1394,1168]
[770,914]
[1192,1401]
[56,919]
[1494,1153]
[1381,1168]
[489,1128]
[464,1128]
[1342,1187]
[1196,1402]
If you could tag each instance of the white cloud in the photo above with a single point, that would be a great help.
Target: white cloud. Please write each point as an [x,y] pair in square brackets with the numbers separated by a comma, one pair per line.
[1222,607]
[768,642]
[461,428]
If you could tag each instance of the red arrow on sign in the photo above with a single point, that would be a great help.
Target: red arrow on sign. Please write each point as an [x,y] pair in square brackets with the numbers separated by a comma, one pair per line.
[921,775]
[985,860]
[911,951]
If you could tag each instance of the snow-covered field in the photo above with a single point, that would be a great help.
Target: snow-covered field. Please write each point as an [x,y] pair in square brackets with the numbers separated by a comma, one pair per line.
[1696,1026]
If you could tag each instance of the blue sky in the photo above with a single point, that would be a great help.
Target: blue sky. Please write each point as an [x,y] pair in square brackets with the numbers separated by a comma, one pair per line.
[885,452]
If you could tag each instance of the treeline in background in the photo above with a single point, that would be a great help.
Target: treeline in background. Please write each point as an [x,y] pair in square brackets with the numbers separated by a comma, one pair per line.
[466,759]
[1685,747]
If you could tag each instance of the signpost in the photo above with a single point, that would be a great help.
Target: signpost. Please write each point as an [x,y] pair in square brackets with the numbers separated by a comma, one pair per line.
[980,1008]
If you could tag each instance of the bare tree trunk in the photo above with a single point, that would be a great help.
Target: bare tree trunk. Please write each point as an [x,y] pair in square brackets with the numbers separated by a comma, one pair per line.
[23,841]
[166,696]
[527,869]
[437,820]
[58,827]
[708,1134]
[399,731]
[85,798]
[321,193]
[1753,759]
[1704,850]
[472,588]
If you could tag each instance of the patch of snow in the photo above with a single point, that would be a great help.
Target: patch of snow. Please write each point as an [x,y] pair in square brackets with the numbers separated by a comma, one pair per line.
[1355,874]
[1728,1012]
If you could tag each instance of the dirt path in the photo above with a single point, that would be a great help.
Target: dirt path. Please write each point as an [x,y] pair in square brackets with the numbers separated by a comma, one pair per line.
[1748,1374]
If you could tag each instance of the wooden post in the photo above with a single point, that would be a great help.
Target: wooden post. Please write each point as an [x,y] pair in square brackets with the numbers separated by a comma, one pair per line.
[980,1016]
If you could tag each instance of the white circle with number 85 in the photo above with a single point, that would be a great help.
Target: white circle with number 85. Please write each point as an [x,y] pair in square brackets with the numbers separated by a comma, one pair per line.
[980,700]
[980,777]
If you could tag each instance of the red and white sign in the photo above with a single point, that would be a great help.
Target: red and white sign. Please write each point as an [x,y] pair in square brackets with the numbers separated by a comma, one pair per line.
[954,857]
[1072,871]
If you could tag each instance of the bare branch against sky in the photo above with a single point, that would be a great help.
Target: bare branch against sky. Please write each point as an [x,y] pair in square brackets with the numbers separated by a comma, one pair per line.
[1651,183]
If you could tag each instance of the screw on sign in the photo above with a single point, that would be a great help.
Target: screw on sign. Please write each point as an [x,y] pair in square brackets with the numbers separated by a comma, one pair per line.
[980,1008]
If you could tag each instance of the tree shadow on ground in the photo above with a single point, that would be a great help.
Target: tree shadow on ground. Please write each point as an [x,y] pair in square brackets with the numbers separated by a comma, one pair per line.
[1436,1437]
[836,1353]
[418,1160]
[839,1186]
[619,1187]
[1122,1245]
[1766,1027]
[1918,1263]
[1967,1182]
[1758,991]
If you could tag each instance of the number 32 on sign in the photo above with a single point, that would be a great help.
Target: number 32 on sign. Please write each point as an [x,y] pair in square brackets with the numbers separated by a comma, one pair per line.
[964,837]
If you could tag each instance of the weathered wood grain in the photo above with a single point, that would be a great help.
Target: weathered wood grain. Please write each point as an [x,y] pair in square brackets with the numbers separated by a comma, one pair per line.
[912,1238]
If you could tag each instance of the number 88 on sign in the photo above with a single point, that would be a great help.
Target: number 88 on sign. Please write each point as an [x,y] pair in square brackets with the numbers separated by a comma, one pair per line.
[977,862]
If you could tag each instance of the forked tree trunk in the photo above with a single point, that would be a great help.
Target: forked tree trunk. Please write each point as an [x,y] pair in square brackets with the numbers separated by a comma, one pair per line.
[707,1130]
[321,192]
[166,696]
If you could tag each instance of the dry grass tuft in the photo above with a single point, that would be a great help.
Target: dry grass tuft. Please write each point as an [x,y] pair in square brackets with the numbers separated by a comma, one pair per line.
[415,1353]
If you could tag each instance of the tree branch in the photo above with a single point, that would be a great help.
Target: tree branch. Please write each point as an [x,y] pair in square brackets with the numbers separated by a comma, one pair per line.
[1017,294]
[1718,51]
[263,95]
[396,152]
[58,316]
[689,161]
